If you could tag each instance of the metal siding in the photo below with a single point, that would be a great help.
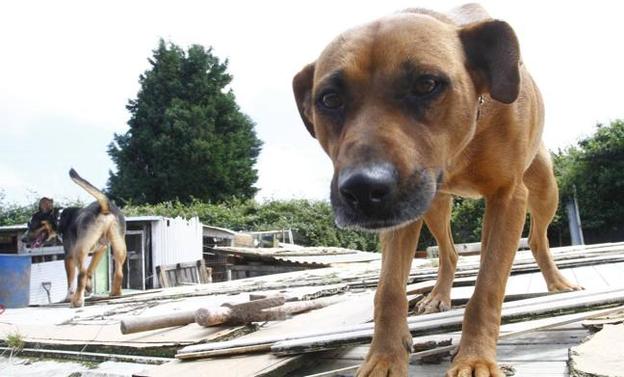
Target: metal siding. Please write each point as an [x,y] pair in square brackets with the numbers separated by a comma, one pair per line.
[176,241]
[54,272]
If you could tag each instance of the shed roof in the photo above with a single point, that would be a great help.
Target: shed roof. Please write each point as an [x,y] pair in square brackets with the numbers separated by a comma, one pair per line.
[293,254]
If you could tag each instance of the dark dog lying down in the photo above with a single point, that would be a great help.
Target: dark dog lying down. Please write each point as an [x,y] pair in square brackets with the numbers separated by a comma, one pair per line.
[84,231]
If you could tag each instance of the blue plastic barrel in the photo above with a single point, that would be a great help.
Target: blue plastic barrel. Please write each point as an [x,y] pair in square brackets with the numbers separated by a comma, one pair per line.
[14,280]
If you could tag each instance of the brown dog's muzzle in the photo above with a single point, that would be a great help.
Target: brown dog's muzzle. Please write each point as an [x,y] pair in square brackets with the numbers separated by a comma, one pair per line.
[368,189]
[374,197]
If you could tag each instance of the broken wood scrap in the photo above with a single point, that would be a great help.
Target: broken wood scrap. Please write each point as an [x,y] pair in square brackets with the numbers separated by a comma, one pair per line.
[238,314]
[143,323]
[597,323]
[267,309]
[227,313]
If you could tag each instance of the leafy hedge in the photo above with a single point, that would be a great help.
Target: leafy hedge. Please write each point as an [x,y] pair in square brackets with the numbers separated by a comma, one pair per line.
[11,214]
[311,221]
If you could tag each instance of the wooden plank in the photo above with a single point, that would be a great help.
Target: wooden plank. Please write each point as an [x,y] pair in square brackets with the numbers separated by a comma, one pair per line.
[445,321]
[162,279]
[555,336]
[589,278]
[611,274]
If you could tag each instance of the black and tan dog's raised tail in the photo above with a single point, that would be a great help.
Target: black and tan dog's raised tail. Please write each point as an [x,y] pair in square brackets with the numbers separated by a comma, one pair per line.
[97,194]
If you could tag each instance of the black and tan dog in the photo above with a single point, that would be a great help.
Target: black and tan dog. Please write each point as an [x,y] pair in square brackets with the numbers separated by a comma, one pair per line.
[411,109]
[83,231]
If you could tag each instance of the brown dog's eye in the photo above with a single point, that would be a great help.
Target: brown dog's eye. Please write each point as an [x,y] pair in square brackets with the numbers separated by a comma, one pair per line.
[425,86]
[331,100]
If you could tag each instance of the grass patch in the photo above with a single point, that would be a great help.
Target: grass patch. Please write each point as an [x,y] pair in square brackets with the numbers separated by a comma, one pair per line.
[15,341]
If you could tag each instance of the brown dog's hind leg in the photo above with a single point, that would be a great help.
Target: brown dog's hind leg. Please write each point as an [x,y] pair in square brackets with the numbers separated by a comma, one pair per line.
[543,201]
[438,220]
[119,256]
[392,342]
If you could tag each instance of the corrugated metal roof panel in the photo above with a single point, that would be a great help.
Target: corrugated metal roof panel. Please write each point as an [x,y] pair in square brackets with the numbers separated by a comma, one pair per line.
[313,256]
[331,260]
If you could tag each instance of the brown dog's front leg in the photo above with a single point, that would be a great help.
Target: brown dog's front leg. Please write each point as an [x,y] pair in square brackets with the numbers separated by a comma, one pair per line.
[504,218]
[392,342]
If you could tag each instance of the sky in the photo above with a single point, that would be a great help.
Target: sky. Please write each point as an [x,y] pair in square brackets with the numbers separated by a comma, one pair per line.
[68,68]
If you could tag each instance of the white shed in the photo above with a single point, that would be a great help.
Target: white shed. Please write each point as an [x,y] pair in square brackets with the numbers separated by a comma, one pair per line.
[152,241]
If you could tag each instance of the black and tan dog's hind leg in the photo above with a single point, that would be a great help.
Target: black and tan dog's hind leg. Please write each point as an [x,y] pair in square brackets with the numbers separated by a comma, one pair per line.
[70,273]
[116,237]
[95,259]
[81,249]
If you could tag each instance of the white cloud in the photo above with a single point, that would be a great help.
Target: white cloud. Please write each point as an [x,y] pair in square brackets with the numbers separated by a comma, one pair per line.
[9,179]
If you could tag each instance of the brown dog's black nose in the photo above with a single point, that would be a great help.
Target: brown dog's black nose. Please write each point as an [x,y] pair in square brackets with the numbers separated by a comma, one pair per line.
[368,188]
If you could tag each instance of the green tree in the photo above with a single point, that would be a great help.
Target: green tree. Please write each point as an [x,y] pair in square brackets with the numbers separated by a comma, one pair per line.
[595,169]
[187,137]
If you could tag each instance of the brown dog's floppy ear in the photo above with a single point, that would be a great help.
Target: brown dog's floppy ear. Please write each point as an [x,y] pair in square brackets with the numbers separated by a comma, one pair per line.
[493,51]
[302,87]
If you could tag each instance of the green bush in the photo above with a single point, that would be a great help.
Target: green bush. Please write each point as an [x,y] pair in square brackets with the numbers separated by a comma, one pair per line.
[12,214]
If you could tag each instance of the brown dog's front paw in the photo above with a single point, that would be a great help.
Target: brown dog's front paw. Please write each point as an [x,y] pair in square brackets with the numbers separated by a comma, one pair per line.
[433,303]
[383,364]
[387,358]
[474,366]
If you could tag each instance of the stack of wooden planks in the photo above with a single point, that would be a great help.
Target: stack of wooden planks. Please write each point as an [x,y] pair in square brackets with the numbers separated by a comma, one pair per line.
[335,335]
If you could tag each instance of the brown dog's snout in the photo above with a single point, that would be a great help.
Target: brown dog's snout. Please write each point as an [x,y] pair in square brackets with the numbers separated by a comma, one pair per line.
[368,188]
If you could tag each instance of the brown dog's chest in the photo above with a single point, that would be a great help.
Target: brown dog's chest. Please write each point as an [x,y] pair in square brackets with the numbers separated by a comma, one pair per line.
[491,160]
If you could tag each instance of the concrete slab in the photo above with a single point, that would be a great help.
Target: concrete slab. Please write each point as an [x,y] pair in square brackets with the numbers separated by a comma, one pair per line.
[600,356]
[26,367]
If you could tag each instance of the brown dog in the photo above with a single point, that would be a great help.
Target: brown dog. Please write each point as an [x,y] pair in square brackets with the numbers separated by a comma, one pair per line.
[411,109]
